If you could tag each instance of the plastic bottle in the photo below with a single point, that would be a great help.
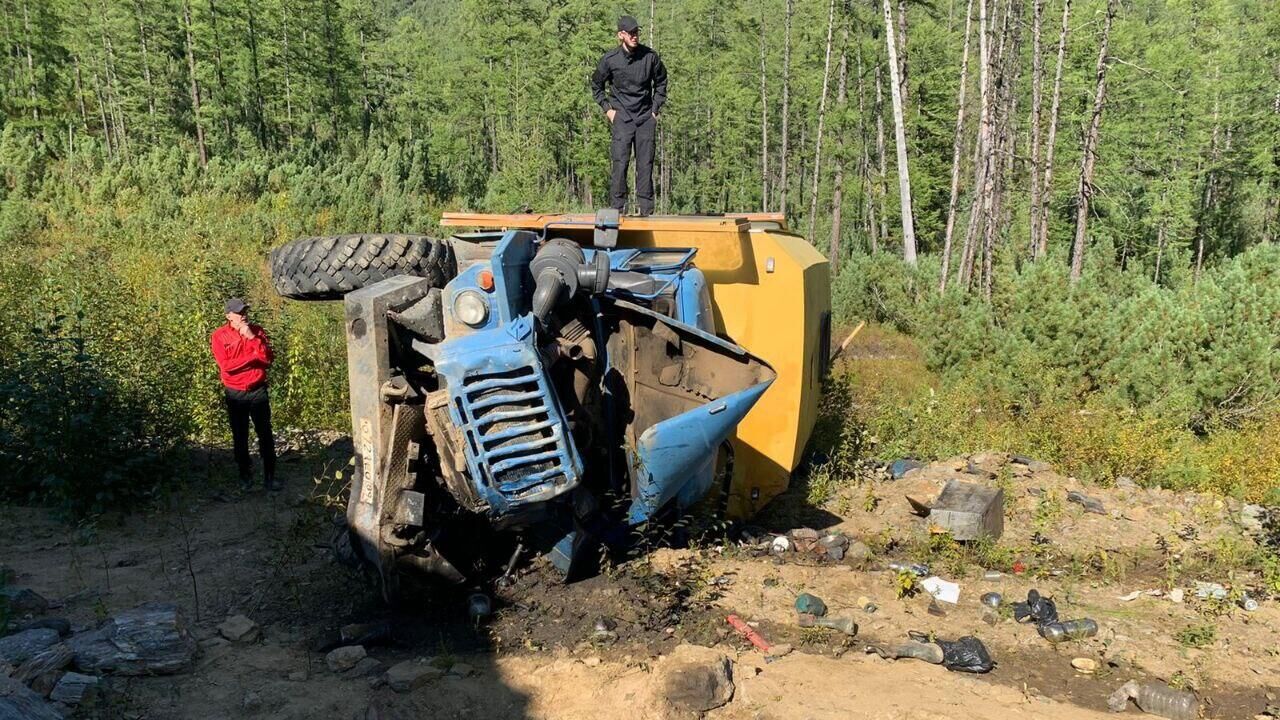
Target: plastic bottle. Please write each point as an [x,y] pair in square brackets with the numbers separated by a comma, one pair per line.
[1156,699]
[1069,630]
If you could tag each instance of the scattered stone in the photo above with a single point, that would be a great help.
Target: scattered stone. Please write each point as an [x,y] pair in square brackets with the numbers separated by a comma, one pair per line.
[377,681]
[1090,504]
[75,689]
[593,661]
[151,639]
[252,703]
[935,609]
[18,702]
[1130,597]
[834,545]
[1031,464]
[461,670]
[978,471]
[1125,482]
[696,683]
[344,658]
[969,511]
[366,667]
[1087,666]
[1176,595]
[804,534]
[1252,519]
[6,670]
[411,675]
[240,629]
[22,601]
[298,676]
[44,683]
[899,468]
[17,648]
[780,650]
[62,625]
[858,553]
[51,659]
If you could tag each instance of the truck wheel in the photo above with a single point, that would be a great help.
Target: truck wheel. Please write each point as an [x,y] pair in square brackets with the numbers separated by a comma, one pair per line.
[326,268]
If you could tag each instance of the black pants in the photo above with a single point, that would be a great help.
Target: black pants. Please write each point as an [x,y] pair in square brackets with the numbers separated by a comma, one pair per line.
[626,135]
[243,406]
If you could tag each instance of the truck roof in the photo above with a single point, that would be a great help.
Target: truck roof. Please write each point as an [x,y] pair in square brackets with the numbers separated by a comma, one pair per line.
[728,222]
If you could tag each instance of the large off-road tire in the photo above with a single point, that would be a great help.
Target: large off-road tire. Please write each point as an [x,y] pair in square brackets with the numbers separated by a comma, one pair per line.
[326,268]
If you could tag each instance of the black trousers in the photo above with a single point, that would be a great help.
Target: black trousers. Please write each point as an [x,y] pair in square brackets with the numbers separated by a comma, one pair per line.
[628,135]
[255,405]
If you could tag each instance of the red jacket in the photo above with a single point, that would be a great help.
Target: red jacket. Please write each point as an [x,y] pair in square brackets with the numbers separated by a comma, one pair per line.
[242,363]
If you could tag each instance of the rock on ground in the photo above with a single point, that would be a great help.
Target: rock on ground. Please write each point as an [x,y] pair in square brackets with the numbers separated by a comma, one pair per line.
[366,667]
[240,629]
[344,658]
[18,702]
[695,680]
[17,648]
[151,639]
[411,675]
[51,659]
[75,689]
[23,600]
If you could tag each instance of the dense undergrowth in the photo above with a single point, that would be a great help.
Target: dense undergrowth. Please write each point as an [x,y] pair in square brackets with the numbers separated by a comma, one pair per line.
[1172,383]
[115,275]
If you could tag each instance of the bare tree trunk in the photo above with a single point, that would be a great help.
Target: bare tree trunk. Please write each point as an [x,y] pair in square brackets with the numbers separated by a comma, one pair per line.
[955,152]
[1037,80]
[837,194]
[288,78]
[1046,186]
[1001,169]
[84,113]
[981,151]
[764,123]
[31,66]
[903,85]
[864,163]
[146,58]
[195,84]
[822,116]
[259,111]
[786,108]
[900,139]
[882,184]
[1085,188]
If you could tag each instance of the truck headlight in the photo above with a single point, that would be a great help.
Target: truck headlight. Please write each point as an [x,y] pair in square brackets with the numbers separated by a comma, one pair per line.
[471,308]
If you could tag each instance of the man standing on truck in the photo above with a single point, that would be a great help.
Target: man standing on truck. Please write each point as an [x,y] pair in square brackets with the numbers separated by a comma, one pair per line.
[638,81]
[243,355]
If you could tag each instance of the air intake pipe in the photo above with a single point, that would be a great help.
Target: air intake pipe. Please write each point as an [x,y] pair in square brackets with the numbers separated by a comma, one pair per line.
[560,270]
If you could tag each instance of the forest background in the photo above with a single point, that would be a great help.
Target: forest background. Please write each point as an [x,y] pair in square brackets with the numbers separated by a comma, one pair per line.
[1061,215]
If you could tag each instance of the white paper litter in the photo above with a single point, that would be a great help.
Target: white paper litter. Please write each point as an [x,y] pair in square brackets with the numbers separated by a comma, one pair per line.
[940,589]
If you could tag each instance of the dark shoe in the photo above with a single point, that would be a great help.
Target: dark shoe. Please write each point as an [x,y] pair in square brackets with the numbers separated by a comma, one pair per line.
[274,485]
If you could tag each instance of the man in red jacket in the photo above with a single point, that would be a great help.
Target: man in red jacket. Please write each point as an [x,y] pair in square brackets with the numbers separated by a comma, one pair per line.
[243,355]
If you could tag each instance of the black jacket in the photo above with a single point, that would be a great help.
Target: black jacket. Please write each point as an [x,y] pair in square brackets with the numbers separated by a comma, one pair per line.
[638,82]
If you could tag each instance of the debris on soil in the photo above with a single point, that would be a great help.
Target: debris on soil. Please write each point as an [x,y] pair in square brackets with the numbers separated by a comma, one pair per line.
[808,604]
[991,600]
[844,625]
[411,675]
[927,651]
[18,702]
[966,654]
[1156,699]
[696,680]
[969,511]
[1038,609]
[1035,466]
[944,590]
[917,569]
[240,629]
[1176,595]
[366,667]
[344,658]
[1087,666]
[1207,590]
[1090,504]
[749,633]
[1069,630]
[151,639]
[17,648]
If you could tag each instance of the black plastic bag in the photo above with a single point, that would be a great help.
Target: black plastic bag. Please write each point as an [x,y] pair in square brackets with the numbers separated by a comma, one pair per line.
[1037,609]
[967,654]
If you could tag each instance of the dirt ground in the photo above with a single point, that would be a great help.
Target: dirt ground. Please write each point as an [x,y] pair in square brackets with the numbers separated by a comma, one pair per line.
[540,656]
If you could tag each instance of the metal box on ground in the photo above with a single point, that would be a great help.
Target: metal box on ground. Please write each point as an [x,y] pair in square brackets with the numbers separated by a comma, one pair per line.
[969,511]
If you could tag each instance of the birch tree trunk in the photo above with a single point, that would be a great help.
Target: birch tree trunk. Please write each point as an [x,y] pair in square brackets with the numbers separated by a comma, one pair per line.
[900,139]
[195,84]
[1046,187]
[1037,79]
[955,152]
[822,116]
[837,193]
[1089,159]
[882,184]
[786,108]
[981,150]
[764,124]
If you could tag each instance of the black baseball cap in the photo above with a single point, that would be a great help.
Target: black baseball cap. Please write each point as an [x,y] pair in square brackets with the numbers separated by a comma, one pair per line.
[237,305]
[628,24]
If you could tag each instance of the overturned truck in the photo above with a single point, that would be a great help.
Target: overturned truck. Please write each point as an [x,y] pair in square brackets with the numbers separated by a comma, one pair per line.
[552,383]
